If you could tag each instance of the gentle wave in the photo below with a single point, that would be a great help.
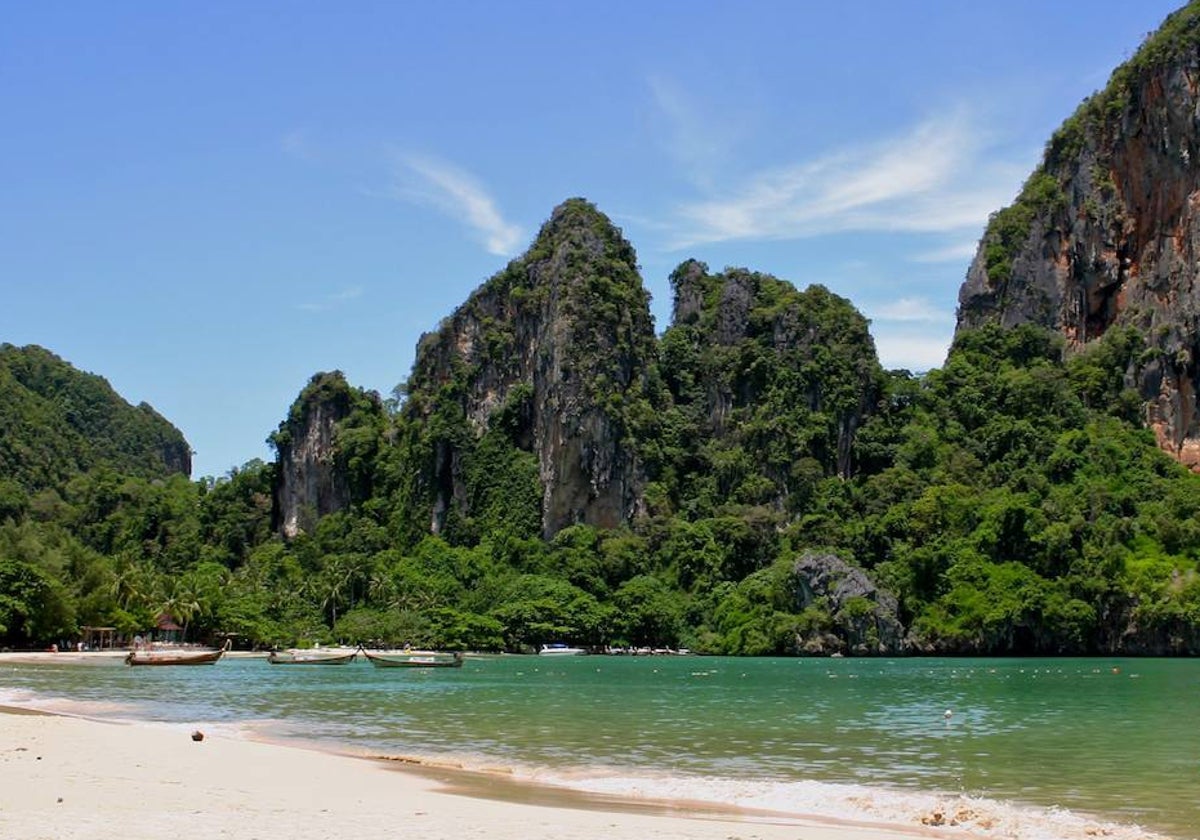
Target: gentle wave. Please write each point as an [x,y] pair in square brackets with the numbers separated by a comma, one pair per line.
[859,803]
[809,800]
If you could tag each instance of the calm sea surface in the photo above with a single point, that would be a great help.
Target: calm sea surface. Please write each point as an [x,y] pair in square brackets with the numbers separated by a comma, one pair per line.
[1032,748]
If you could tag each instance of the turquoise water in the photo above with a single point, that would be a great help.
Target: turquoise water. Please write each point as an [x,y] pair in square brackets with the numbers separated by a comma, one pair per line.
[1116,741]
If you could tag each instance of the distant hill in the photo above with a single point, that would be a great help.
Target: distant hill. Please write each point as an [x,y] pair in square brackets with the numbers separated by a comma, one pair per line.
[57,422]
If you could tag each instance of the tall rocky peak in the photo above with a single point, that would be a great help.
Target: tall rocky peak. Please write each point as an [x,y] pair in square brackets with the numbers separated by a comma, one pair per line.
[1106,232]
[557,347]
[756,361]
[322,468]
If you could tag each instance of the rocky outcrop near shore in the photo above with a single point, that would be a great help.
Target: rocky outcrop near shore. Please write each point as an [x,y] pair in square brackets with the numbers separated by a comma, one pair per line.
[744,347]
[860,618]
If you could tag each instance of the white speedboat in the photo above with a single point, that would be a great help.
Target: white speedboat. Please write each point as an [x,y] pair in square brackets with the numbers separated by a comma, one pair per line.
[560,649]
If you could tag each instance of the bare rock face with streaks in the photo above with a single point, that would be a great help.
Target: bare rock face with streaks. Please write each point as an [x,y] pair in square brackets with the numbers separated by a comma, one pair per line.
[1106,233]
[865,617]
[317,473]
[557,346]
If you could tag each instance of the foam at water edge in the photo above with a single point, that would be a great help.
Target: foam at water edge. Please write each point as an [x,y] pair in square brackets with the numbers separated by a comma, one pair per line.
[978,816]
[15,697]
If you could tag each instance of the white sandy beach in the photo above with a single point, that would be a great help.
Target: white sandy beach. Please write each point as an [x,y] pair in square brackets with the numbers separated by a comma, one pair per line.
[69,778]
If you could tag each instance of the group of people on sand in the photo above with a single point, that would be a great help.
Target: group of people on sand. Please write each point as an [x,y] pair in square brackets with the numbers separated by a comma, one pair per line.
[80,647]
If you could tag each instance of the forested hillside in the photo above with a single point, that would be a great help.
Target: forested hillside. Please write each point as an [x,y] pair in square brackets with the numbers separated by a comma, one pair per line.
[1010,502]
[749,481]
[56,422]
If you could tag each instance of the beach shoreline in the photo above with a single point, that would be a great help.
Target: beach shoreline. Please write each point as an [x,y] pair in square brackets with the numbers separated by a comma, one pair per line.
[476,788]
[71,777]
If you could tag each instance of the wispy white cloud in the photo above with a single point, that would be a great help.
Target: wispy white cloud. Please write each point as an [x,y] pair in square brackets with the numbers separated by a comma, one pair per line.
[351,293]
[332,301]
[910,309]
[934,178]
[457,194]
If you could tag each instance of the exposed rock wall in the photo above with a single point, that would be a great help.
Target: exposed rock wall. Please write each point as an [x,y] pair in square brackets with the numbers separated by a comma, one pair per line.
[312,480]
[560,341]
[864,618]
[1107,231]
[172,449]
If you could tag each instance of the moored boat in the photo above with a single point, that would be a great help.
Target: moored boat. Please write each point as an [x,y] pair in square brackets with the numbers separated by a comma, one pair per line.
[175,657]
[414,659]
[560,649]
[311,657]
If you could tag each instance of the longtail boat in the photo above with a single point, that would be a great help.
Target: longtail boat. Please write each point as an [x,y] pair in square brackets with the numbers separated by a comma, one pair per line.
[414,659]
[175,657]
[311,657]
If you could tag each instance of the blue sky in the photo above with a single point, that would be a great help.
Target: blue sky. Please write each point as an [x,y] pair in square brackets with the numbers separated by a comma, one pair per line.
[207,203]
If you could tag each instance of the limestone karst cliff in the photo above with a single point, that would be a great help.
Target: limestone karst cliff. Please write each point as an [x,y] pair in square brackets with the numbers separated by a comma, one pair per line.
[545,400]
[320,458]
[787,374]
[1106,232]
[557,347]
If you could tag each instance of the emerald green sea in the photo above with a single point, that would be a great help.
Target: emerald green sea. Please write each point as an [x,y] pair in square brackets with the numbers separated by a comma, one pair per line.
[1032,748]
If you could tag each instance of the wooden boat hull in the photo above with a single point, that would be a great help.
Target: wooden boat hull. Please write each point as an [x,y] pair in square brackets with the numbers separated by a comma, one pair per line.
[310,659]
[414,660]
[138,657]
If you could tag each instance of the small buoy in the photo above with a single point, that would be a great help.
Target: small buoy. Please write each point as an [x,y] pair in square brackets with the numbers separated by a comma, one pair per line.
[948,714]
[197,735]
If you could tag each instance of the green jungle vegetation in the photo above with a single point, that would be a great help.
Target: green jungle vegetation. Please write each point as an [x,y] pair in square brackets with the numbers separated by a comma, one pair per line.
[56,422]
[1010,500]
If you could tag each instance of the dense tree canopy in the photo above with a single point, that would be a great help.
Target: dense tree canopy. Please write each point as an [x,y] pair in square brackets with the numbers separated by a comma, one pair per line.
[1010,501]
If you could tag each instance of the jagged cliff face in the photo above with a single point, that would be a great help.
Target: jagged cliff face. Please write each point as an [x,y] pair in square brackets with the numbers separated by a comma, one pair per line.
[545,345]
[766,361]
[315,476]
[1107,231]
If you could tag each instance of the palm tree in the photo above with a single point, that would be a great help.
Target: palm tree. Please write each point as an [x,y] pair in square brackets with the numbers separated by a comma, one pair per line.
[334,582]
[381,588]
[130,585]
[180,603]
